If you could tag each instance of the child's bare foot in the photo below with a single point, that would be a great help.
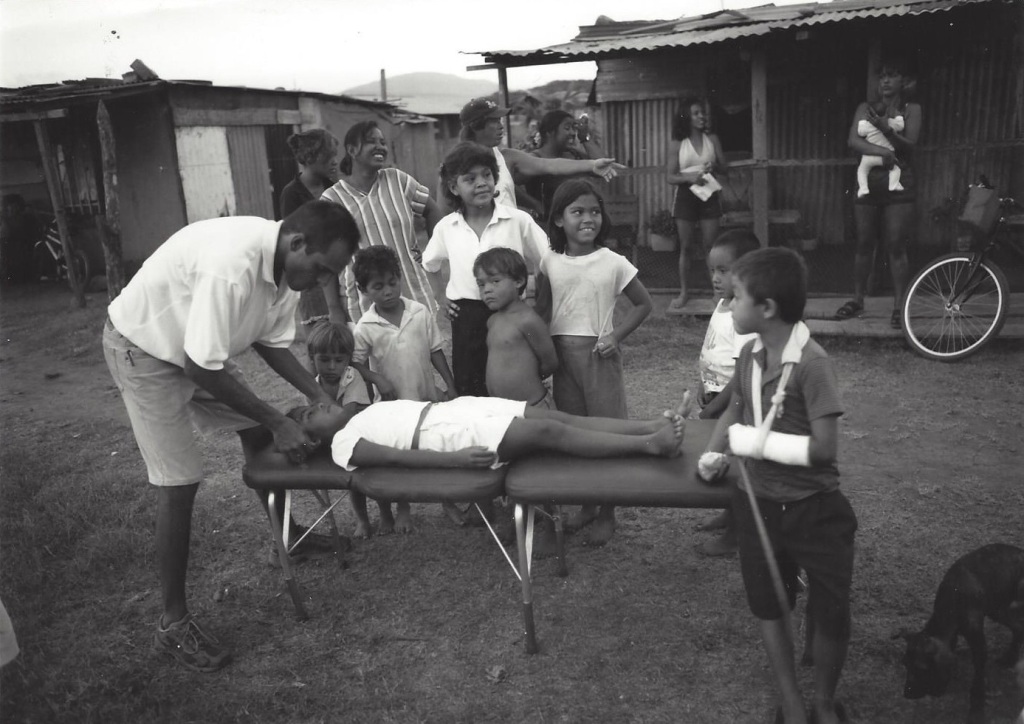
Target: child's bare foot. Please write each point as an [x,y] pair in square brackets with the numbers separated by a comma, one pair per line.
[387,521]
[666,442]
[403,519]
[583,517]
[716,522]
[363,529]
[602,530]
[722,545]
[454,514]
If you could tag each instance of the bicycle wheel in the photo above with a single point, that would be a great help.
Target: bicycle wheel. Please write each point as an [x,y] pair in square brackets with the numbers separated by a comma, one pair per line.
[943,320]
[82,270]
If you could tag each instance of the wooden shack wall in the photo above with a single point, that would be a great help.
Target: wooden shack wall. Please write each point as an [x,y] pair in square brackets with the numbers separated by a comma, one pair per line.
[969,87]
[151,203]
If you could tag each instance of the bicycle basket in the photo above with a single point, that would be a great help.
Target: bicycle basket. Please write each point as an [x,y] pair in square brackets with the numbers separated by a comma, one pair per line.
[981,209]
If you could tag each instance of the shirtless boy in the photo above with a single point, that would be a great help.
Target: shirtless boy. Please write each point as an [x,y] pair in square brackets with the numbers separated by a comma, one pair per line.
[519,349]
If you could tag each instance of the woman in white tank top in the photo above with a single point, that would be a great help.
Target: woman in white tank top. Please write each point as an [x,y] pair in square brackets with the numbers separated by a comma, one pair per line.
[693,153]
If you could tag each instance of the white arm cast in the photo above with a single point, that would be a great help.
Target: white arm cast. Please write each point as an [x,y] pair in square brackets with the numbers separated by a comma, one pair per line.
[779,447]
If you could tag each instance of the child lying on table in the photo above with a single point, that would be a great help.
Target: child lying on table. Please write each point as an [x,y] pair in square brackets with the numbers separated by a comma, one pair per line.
[480,432]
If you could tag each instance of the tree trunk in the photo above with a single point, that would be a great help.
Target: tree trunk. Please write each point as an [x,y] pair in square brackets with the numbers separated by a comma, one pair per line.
[109,228]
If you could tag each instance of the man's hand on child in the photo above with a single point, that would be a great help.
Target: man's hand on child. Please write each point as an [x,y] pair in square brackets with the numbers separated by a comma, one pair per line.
[292,440]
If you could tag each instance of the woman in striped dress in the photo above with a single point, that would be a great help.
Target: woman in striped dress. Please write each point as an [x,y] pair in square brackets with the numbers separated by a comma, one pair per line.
[384,202]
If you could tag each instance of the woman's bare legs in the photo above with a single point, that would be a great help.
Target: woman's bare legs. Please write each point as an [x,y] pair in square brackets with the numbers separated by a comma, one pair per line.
[896,222]
[686,232]
[865,222]
[708,233]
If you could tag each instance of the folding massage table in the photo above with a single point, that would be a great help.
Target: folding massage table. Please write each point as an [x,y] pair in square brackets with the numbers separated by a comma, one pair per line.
[530,483]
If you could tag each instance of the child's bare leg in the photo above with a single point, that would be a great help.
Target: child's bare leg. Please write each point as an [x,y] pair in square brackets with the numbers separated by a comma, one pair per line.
[454,514]
[583,517]
[358,503]
[403,518]
[545,542]
[723,519]
[676,417]
[829,656]
[525,436]
[604,527]
[387,521]
[780,656]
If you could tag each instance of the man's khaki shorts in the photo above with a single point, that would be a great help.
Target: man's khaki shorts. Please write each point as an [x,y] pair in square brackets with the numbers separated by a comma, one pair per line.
[165,407]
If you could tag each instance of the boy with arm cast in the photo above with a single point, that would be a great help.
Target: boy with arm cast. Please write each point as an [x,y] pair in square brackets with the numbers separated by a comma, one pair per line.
[793,472]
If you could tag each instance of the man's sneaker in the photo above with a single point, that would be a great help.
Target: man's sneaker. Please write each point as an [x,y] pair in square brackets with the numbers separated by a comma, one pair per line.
[190,645]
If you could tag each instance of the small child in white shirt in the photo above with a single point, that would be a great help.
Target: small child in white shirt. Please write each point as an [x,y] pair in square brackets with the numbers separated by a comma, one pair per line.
[397,341]
[718,355]
[871,133]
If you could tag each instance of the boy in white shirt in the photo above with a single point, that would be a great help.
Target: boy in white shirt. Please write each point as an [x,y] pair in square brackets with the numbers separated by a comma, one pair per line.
[397,341]
[717,362]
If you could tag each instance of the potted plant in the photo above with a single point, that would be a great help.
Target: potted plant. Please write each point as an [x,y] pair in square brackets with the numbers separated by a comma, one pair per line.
[661,231]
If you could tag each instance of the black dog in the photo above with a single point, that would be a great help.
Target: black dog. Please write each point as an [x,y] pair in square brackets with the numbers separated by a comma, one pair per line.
[986,582]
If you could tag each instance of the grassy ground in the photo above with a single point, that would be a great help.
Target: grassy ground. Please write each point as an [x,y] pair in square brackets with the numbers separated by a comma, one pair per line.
[426,627]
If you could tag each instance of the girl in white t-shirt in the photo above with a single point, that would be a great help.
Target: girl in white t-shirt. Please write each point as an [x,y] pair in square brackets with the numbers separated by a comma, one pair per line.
[579,283]
[717,362]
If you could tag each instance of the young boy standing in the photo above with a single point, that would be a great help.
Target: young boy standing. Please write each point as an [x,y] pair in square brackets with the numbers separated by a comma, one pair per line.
[717,361]
[520,354]
[397,341]
[792,472]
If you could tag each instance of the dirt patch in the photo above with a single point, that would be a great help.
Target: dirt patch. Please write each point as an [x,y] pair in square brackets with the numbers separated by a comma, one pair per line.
[426,627]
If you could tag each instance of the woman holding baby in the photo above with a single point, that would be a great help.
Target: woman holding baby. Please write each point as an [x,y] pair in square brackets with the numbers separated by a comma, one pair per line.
[887,209]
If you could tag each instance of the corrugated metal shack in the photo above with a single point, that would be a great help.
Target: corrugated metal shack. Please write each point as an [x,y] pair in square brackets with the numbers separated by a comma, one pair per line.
[783,83]
[185,150]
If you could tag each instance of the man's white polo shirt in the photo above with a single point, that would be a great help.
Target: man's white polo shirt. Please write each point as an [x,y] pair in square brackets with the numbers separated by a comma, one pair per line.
[209,292]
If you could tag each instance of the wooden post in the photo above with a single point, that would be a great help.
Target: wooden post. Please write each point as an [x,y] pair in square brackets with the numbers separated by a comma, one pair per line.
[109,228]
[503,95]
[53,185]
[759,138]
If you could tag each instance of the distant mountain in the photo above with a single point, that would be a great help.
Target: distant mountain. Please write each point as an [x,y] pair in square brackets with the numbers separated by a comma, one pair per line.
[427,93]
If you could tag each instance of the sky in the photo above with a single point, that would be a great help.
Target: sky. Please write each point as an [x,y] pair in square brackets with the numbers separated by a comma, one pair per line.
[313,45]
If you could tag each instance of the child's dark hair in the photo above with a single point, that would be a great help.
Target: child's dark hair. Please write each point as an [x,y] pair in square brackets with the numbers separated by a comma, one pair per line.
[330,338]
[322,223]
[550,122]
[355,136]
[374,261]
[310,145]
[739,242]
[778,274]
[681,123]
[567,192]
[461,159]
[507,262]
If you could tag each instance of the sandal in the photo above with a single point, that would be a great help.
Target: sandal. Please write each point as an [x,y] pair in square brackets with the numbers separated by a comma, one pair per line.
[895,320]
[849,310]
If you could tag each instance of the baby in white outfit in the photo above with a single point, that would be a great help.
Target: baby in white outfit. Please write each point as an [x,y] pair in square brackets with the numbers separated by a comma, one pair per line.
[871,134]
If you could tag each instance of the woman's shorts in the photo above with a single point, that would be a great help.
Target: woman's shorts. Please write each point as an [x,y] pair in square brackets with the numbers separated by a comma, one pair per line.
[689,208]
[878,188]
[816,534]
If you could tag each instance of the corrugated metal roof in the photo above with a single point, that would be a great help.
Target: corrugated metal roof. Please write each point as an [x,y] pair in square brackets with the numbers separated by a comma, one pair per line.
[612,38]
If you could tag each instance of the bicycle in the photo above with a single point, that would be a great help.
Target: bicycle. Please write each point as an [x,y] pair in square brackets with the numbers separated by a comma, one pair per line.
[48,255]
[958,302]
